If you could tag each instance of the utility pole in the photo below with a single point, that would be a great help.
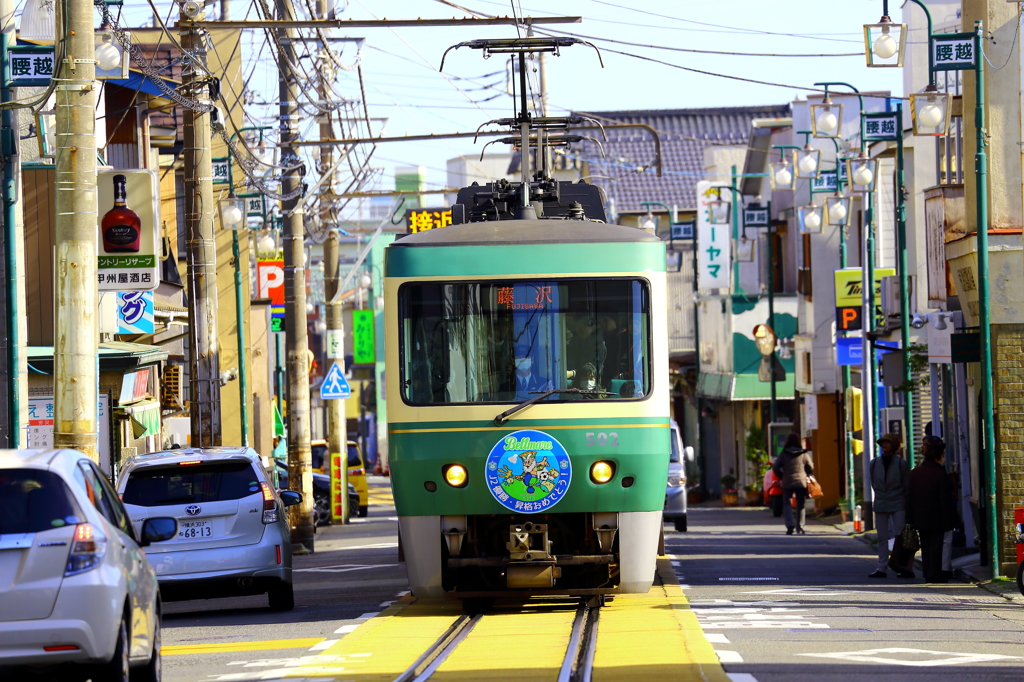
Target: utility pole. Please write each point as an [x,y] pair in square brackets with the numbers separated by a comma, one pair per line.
[76,292]
[204,353]
[300,469]
[14,258]
[337,438]
[904,271]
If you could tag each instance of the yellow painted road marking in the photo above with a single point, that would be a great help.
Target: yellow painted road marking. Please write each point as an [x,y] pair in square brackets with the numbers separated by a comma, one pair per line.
[661,625]
[226,647]
[383,647]
[540,632]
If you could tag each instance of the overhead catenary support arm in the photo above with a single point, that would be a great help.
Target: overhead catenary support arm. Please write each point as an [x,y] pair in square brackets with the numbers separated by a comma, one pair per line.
[345,24]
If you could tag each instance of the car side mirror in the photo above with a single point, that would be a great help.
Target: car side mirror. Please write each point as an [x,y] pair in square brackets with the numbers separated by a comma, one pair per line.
[291,497]
[160,529]
[688,453]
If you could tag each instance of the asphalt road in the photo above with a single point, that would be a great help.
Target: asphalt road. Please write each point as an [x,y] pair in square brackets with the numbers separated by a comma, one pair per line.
[353,574]
[776,608]
[781,608]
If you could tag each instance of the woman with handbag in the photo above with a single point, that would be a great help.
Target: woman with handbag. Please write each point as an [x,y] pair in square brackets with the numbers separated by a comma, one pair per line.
[793,466]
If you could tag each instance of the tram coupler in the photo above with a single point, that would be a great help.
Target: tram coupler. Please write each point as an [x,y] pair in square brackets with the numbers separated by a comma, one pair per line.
[532,575]
[528,542]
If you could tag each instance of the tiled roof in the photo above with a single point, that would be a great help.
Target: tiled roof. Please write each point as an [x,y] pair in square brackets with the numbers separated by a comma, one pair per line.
[684,135]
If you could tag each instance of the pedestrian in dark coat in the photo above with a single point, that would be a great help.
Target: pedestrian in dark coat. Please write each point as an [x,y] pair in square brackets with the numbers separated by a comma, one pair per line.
[793,466]
[929,509]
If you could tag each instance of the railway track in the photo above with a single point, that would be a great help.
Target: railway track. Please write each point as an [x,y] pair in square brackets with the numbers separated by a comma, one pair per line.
[577,664]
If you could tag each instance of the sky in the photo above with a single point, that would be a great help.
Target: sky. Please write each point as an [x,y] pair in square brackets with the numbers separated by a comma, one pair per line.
[404,86]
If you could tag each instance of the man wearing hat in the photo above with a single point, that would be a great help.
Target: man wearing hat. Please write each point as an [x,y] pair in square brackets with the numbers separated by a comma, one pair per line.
[889,475]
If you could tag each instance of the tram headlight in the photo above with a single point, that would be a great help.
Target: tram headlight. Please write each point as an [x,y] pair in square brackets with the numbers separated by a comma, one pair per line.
[455,475]
[602,472]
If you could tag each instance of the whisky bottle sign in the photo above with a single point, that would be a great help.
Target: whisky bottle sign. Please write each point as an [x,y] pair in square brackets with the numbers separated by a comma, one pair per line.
[129,241]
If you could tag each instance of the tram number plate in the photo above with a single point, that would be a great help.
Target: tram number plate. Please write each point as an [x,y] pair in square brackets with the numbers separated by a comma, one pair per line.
[601,439]
[194,529]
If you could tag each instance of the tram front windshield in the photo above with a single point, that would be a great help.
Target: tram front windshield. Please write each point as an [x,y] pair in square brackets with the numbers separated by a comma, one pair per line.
[508,341]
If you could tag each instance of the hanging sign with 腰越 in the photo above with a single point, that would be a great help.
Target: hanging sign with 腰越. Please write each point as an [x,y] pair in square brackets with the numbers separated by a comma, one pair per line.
[826,182]
[954,51]
[881,126]
[755,215]
[714,242]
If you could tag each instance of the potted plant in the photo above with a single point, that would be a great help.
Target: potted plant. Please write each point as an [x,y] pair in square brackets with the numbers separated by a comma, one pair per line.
[753,492]
[729,495]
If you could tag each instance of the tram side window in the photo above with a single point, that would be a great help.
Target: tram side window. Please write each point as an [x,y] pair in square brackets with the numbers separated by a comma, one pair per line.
[470,342]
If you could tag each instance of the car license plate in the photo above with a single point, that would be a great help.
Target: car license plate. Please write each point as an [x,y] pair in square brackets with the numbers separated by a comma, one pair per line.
[194,529]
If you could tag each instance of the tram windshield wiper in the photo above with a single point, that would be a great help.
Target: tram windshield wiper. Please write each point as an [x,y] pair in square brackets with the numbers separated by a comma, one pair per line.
[500,419]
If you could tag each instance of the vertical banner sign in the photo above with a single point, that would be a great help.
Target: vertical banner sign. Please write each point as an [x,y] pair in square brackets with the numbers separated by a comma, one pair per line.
[270,284]
[135,312]
[364,347]
[129,230]
[713,242]
[849,299]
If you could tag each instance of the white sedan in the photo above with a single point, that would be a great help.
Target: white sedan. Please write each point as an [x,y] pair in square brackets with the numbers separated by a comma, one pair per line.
[75,585]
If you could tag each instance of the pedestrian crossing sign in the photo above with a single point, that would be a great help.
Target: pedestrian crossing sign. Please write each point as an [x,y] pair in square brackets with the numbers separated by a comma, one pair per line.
[335,385]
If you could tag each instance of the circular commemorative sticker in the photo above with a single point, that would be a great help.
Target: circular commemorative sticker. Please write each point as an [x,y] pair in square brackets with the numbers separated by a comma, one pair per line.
[528,471]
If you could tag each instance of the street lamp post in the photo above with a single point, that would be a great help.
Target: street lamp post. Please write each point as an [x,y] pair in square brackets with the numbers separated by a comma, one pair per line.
[868,369]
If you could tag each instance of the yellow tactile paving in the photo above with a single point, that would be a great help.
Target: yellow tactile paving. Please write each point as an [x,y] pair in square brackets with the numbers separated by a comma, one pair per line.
[654,636]
[383,647]
[525,644]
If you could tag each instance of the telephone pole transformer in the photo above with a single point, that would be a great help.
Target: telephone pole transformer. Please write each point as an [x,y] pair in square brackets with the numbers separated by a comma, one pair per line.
[201,245]
[76,341]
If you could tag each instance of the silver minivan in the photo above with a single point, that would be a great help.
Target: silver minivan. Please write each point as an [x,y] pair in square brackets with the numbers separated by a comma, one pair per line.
[675,490]
[233,537]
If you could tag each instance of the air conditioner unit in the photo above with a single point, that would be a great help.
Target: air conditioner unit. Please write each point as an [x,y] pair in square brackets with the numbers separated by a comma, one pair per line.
[890,300]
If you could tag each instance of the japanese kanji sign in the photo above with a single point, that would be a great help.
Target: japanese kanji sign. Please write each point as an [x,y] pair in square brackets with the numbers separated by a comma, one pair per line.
[755,216]
[40,426]
[221,172]
[31,65]
[826,182]
[364,345]
[684,230]
[125,270]
[882,126]
[422,219]
[255,205]
[954,51]
[714,242]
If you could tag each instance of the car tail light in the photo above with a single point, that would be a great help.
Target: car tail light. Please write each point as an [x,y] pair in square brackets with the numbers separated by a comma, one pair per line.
[87,550]
[674,480]
[61,647]
[278,547]
[269,504]
[356,472]
[190,462]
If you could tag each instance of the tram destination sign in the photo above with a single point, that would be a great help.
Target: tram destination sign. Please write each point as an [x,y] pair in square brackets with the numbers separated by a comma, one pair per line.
[423,219]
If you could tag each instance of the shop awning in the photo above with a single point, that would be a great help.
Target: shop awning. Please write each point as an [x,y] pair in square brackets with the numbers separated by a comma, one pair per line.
[113,356]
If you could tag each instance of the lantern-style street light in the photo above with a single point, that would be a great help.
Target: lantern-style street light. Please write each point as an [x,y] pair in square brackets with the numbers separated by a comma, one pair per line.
[826,118]
[862,172]
[884,42]
[931,112]
[837,210]
[807,162]
[718,211]
[782,176]
[745,249]
[232,212]
[810,218]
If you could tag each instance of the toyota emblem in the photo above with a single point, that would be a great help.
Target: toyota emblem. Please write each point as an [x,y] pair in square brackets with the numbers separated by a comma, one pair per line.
[193,509]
